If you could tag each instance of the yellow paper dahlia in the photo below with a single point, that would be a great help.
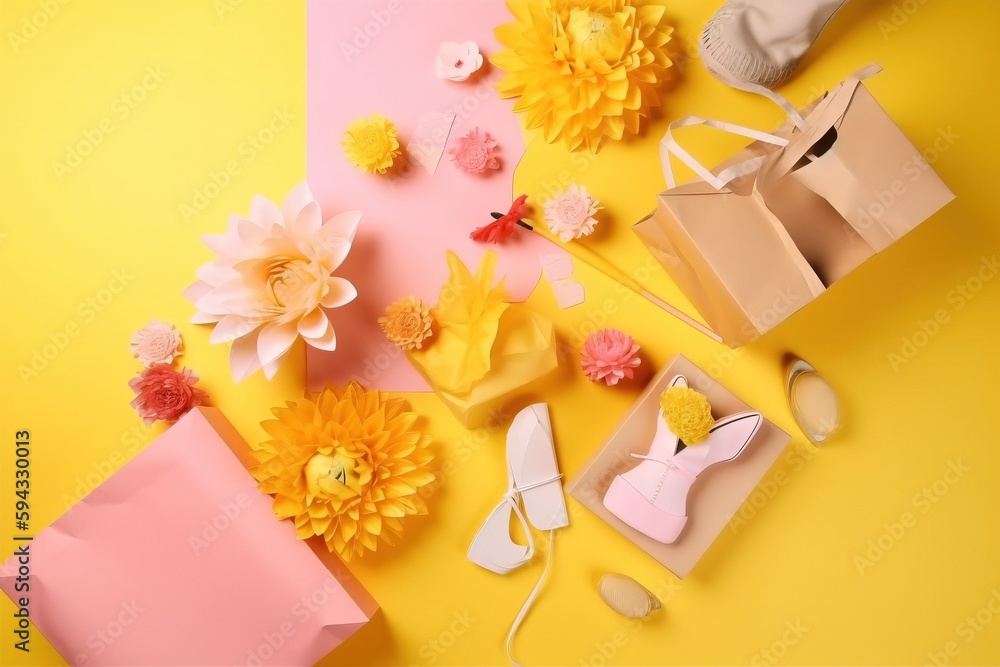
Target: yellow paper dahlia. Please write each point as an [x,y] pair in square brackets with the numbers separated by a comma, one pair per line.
[407,323]
[585,70]
[370,143]
[688,414]
[345,464]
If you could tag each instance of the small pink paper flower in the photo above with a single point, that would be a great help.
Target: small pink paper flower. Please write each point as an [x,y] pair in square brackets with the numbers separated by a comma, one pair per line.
[457,62]
[475,152]
[570,214]
[156,343]
[165,394]
[609,355]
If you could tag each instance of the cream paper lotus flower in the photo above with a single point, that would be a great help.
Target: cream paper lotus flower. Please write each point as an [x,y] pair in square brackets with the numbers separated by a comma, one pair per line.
[272,279]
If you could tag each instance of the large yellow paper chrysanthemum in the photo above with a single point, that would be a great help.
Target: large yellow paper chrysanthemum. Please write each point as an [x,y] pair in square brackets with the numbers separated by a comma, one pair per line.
[586,70]
[345,464]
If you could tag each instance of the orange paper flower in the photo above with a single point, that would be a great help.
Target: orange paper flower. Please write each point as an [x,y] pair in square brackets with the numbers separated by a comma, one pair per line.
[407,323]
[585,70]
[347,465]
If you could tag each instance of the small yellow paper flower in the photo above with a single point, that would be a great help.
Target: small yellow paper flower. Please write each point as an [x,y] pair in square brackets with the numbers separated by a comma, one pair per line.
[370,144]
[407,323]
[688,414]
[345,464]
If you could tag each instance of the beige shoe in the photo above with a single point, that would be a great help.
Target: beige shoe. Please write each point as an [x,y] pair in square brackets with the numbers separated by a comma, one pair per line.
[754,44]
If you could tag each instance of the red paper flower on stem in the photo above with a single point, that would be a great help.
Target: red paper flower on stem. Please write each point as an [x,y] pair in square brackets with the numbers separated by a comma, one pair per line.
[500,229]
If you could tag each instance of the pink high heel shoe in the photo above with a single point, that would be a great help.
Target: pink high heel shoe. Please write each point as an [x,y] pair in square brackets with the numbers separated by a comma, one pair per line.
[652,497]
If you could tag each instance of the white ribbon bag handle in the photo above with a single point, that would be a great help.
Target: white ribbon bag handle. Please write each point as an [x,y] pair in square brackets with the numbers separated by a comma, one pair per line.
[669,146]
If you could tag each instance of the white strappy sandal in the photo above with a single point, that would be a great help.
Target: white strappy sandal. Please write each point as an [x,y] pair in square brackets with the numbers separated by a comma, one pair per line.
[534,483]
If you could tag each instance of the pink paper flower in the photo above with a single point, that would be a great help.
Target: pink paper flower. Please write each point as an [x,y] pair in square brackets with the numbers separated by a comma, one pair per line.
[457,62]
[156,343]
[609,355]
[165,394]
[475,152]
[570,214]
[273,279]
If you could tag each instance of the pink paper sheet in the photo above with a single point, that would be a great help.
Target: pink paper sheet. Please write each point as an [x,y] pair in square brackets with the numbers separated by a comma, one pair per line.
[177,559]
[378,56]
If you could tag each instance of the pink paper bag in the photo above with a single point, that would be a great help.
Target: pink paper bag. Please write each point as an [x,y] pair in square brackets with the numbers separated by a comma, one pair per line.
[178,559]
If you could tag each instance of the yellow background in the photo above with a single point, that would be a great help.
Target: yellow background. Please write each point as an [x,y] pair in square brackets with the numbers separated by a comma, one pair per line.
[792,559]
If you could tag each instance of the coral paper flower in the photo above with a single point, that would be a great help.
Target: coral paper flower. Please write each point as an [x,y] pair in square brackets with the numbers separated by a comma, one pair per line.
[407,323]
[500,229]
[585,70]
[272,280]
[570,214]
[370,144]
[162,393]
[457,62]
[475,152]
[347,465]
[609,355]
[156,343]
[688,414]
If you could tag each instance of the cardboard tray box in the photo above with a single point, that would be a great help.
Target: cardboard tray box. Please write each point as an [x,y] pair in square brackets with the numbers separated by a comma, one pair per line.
[716,495]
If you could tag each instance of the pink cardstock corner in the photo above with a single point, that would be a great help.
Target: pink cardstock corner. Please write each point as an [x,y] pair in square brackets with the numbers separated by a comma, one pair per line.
[368,57]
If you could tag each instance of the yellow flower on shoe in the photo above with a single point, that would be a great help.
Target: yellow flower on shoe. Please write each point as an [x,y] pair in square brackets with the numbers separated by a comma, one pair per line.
[345,464]
[370,144]
[586,70]
[407,323]
[688,414]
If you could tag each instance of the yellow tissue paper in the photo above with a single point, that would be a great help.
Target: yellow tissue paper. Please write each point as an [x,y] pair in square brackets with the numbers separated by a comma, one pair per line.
[486,349]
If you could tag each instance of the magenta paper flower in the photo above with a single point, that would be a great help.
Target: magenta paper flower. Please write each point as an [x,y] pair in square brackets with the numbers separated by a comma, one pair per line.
[156,343]
[609,355]
[475,152]
[162,393]
[570,214]
[273,278]
[457,62]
